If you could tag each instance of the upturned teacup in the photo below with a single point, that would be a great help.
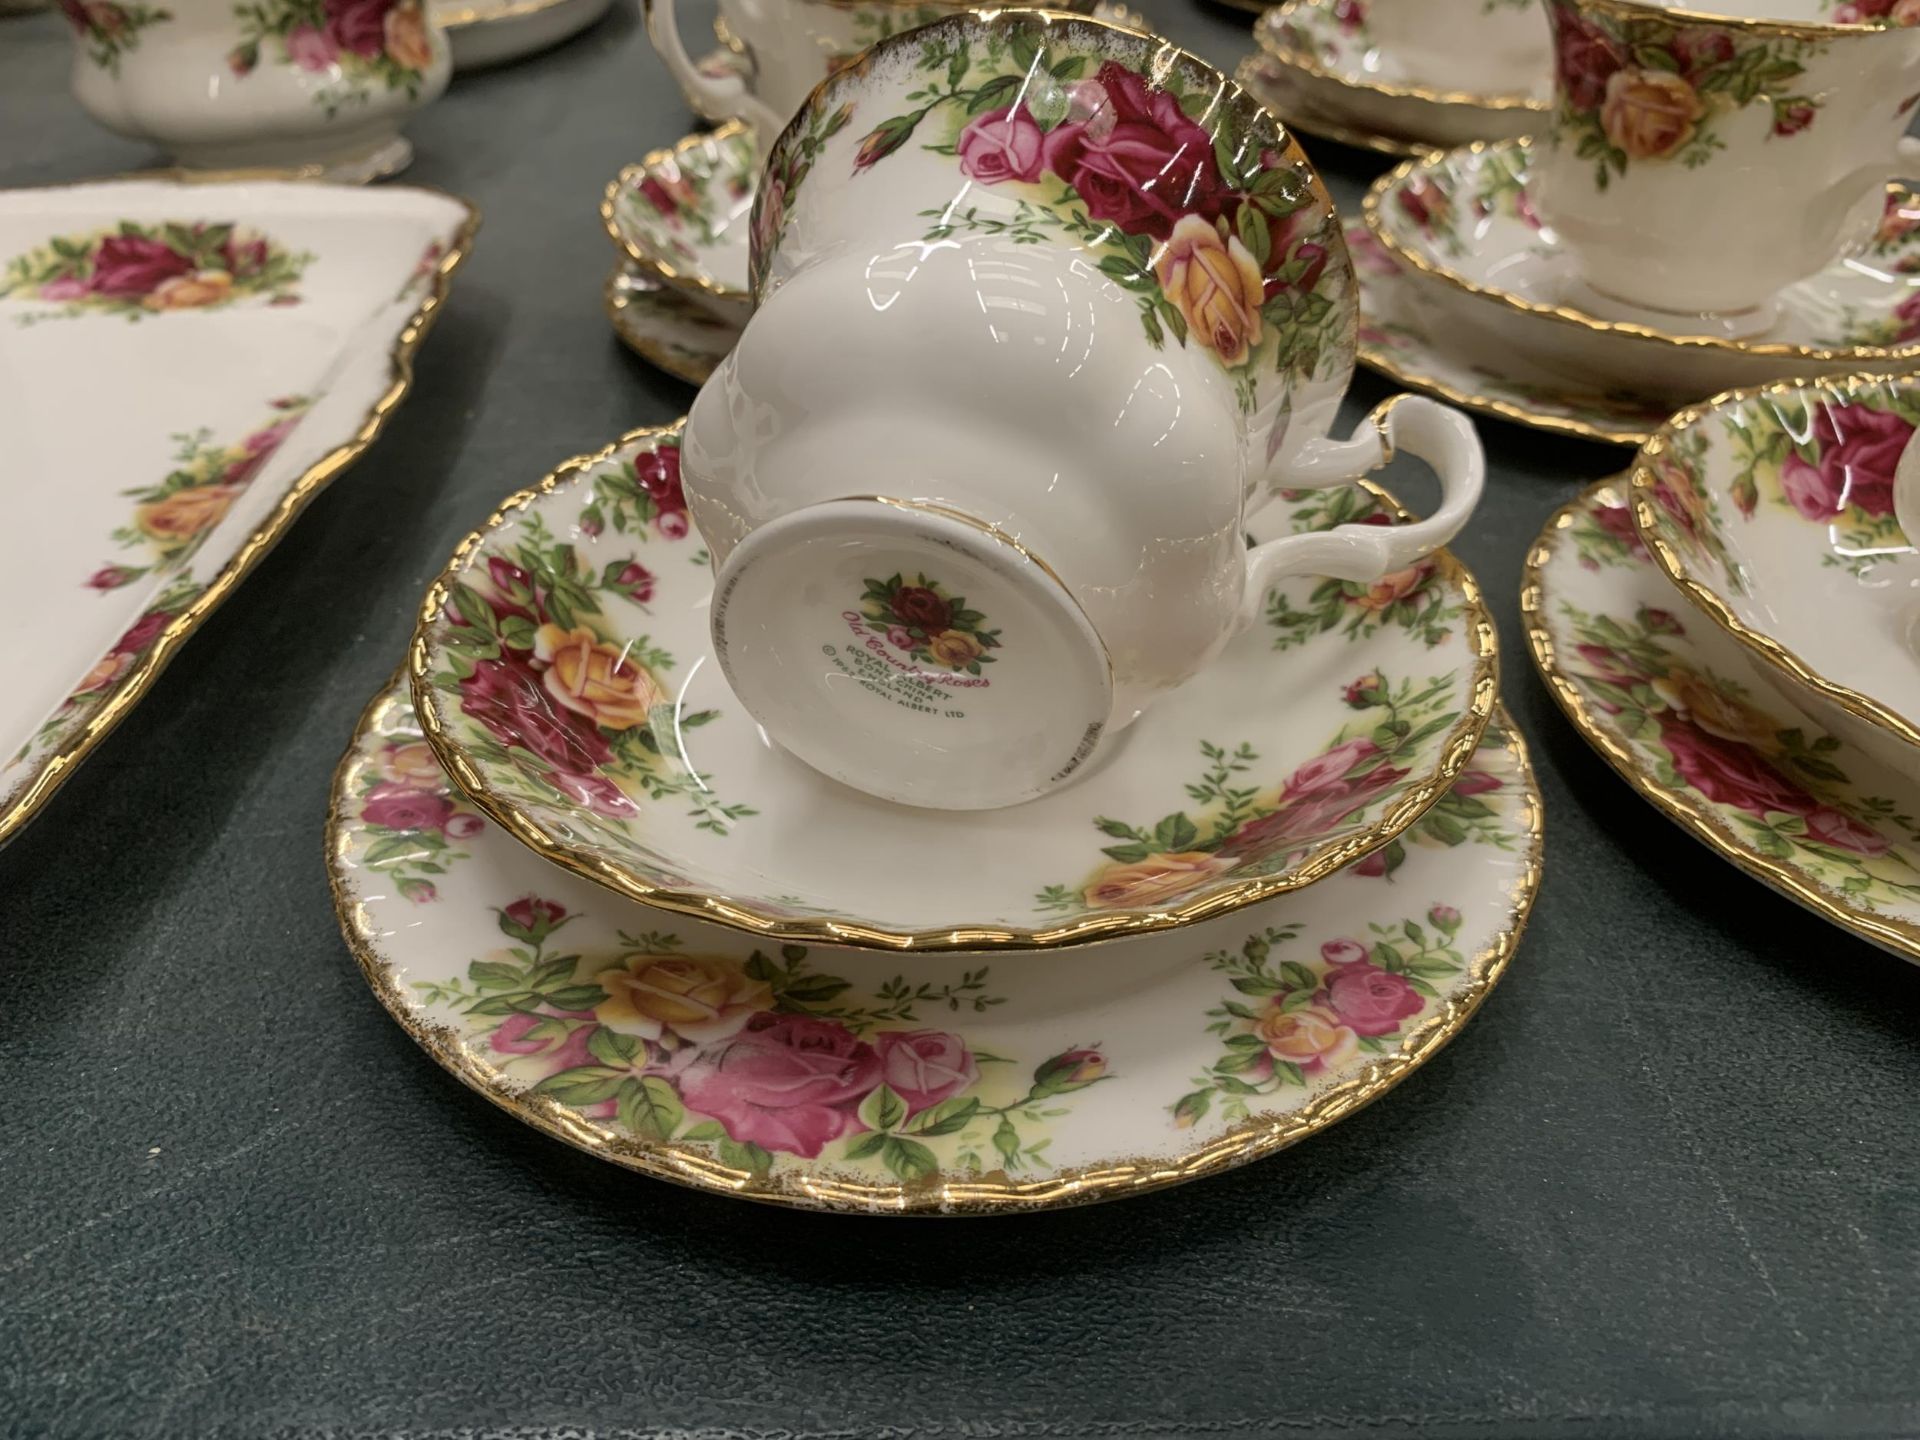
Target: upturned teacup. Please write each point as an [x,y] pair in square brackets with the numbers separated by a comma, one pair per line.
[1045,309]
[1495,46]
[278,84]
[1697,165]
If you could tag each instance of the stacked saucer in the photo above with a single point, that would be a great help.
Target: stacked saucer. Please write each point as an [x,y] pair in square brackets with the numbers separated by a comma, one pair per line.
[580,858]
[1731,625]
[1403,76]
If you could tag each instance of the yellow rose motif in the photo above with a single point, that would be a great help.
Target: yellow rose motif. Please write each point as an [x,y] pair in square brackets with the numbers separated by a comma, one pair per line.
[185,513]
[414,763]
[1713,710]
[1309,1037]
[1152,880]
[1649,113]
[1390,590]
[595,679]
[699,998]
[1215,284]
[954,649]
[408,43]
[189,292]
[106,670]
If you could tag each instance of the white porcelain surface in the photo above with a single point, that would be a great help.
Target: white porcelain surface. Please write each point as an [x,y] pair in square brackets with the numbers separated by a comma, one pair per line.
[492,32]
[1140,386]
[1695,166]
[221,87]
[563,667]
[665,328]
[1503,289]
[940,1084]
[1499,47]
[788,46]
[191,388]
[1776,510]
[1319,66]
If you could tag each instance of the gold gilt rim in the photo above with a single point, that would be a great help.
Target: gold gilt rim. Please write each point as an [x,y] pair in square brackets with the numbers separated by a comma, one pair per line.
[685,281]
[1900,936]
[475,16]
[1376,197]
[1266,35]
[1376,359]
[991,1194]
[1674,14]
[1246,75]
[59,763]
[1708,600]
[1453,754]
[619,304]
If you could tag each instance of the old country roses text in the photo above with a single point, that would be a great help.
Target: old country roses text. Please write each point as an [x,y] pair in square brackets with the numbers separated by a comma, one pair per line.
[1220,237]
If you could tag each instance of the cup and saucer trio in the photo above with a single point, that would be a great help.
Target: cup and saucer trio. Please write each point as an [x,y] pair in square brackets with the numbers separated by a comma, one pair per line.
[1023,762]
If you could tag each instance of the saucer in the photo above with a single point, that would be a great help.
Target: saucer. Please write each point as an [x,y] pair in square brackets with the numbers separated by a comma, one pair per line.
[1396,341]
[492,32]
[833,1080]
[1320,70]
[1687,718]
[1495,282]
[680,216]
[665,328]
[560,666]
[249,340]
[1773,512]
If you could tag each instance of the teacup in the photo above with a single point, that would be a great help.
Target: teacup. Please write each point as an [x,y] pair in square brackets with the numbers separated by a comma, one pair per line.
[1045,308]
[1698,165]
[261,86]
[788,46]
[1497,46]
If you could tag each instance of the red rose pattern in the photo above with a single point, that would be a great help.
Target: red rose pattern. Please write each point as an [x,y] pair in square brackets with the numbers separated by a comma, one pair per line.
[1857,450]
[787,1083]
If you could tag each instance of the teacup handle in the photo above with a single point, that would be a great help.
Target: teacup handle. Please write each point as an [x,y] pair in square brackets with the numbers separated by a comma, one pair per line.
[716,97]
[1438,434]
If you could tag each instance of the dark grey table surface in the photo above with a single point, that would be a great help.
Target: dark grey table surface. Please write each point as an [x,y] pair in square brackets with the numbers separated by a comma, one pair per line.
[1664,1184]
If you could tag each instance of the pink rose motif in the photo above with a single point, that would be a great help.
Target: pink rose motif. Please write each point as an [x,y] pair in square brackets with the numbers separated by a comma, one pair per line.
[1371,1001]
[1146,169]
[1729,773]
[245,256]
[1321,772]
[506,696]
[1477,782]
[1343,952]
[1373,866]
[311,48]
[658,472]
[1002,144]
[530,913]
[1617,522]
[1699,50]
[1858,449]
[1584,58]
[464,826]
[924,1067]
[142,633]
[568,1054]
[672,524]
[1843,832]
[257,448]
[397,807]
[111,577]
[787,1083]
[359,26]
[898,638]
[129,267]
[637,581]
[1907,313]
[1792,119]
[67,287]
